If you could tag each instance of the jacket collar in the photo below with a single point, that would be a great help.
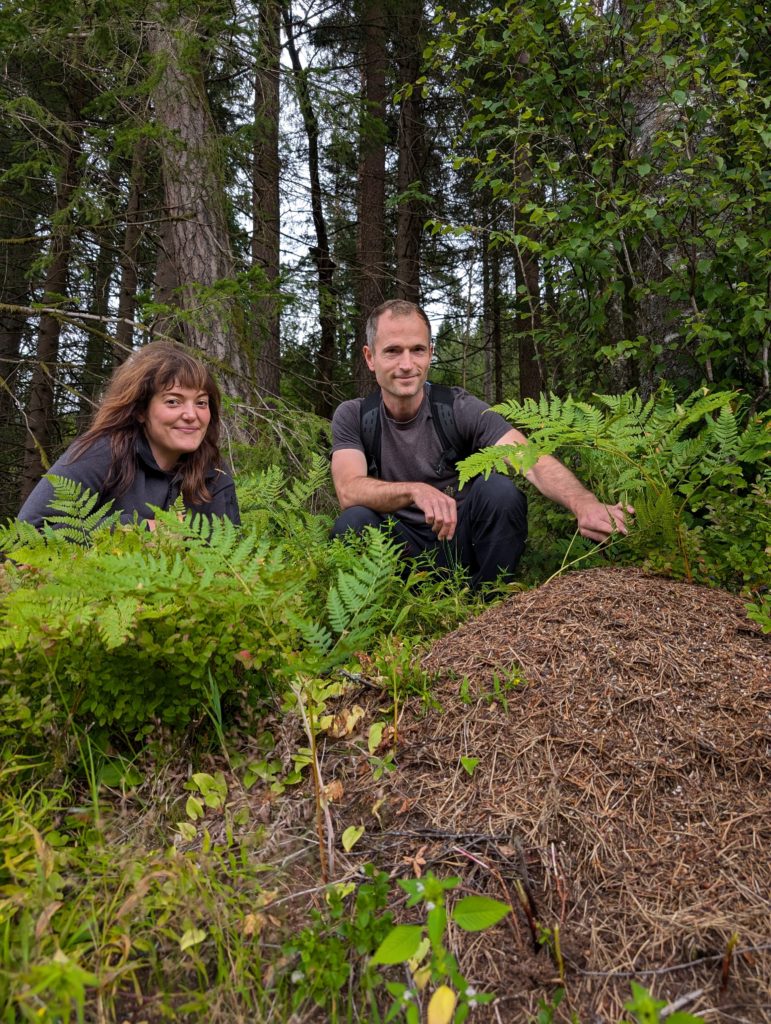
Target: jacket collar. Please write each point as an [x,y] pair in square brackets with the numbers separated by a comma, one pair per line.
[145,455]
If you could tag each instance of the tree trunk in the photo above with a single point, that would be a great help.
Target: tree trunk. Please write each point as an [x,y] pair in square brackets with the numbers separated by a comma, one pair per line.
[491,275]
[129,257]
[320,253]
[371,191]
[526,276]
[195,204]
[265,199]
[17,225]
[412,151]
[98,341]
[40,405]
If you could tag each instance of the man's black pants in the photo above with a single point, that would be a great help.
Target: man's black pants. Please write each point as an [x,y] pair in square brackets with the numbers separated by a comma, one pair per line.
[489,539]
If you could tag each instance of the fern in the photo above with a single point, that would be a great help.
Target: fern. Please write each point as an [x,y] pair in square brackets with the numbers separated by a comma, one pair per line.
[676,461]
[75,513]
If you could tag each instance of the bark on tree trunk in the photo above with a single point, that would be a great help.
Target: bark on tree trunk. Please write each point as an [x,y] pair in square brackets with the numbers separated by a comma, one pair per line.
[371,191]
[412,151]
[195,201]
[265,199]
[98,342]
[526,276]
[320,253]
[491,273]
[40,405]
[17,222]
[129,257]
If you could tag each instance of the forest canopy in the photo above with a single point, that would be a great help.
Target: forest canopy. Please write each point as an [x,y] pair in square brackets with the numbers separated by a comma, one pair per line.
[578,193]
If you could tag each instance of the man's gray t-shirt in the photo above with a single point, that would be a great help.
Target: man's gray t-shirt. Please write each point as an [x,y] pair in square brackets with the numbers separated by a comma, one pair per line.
[411,450]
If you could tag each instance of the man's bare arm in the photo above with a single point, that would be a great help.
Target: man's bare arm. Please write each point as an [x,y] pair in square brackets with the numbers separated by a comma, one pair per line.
[596,521]
[354,487]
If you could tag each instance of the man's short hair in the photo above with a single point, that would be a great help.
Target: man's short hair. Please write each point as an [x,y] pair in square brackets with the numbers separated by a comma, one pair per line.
[396,307]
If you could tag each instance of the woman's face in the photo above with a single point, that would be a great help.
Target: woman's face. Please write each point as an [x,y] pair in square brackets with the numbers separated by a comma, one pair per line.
[175,423]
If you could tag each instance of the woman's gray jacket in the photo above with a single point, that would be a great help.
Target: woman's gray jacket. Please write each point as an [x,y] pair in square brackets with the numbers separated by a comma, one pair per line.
[152,485]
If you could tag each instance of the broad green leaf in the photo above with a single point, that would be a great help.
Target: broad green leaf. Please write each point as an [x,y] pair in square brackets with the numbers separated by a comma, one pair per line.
[399,945]
[351,836]
[475,913]
[187,830]
[375,736]
[469,763]
[192,937]
[194,808]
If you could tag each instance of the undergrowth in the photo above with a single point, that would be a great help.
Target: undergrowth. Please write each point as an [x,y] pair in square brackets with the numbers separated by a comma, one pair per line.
[697,472]
[135,878]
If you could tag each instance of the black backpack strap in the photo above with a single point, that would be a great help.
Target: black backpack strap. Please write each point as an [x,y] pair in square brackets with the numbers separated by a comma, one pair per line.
[442,401]
[454,447]
[370,431]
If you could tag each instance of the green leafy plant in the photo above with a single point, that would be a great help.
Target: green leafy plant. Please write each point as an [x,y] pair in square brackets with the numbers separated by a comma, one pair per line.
[130,625]
[334,949]
[695,471]
[423,949]
[647,1009]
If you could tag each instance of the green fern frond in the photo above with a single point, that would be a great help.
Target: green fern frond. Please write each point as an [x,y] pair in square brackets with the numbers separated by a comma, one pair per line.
[315,635]
[754,443]
[17,537]
[117,621]
[75,509]
[656,518]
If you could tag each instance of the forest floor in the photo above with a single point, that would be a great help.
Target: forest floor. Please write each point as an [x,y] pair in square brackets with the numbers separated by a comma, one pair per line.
[615,791]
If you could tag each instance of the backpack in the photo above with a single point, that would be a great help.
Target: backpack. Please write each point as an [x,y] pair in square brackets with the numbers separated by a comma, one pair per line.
[441,398]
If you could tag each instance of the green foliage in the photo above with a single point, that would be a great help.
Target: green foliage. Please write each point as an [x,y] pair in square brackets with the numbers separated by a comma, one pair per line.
[423,949]
[86,921]
[334,949]
[696,472]
[133,625]
[633,145]
[646,1009]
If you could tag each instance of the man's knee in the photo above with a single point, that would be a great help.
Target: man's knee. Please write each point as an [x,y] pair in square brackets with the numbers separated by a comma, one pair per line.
[498,494]
[356,518]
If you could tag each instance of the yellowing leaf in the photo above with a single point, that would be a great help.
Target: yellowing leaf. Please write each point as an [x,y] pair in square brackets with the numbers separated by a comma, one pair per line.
[252,924]
[342,889]
[345,721]
[421,977]
[192,937]
[187,830]
[375,736]
[442,1006]
[351,836]
[420,955]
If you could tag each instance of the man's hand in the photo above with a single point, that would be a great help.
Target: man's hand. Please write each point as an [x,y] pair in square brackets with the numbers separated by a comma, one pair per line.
[440,510]
[597,521]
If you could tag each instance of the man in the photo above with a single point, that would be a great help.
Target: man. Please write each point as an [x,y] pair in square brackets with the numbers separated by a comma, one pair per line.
[484,525]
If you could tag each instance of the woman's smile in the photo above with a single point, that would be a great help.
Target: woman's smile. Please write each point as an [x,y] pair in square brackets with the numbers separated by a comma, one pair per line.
[175,423]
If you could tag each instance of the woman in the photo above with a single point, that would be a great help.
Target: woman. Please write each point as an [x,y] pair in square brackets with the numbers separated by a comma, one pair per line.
[154,437]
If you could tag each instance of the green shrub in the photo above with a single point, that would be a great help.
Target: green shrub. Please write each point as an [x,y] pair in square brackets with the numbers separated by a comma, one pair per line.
[697,472]
[131,625]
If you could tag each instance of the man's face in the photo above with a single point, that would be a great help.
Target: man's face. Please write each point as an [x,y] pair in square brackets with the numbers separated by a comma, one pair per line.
[401,356]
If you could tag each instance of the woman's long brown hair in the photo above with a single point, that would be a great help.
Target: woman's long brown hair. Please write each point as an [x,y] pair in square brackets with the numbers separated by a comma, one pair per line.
[155,368]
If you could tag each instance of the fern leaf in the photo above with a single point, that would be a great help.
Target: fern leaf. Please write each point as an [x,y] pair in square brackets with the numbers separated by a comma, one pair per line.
[117,621]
